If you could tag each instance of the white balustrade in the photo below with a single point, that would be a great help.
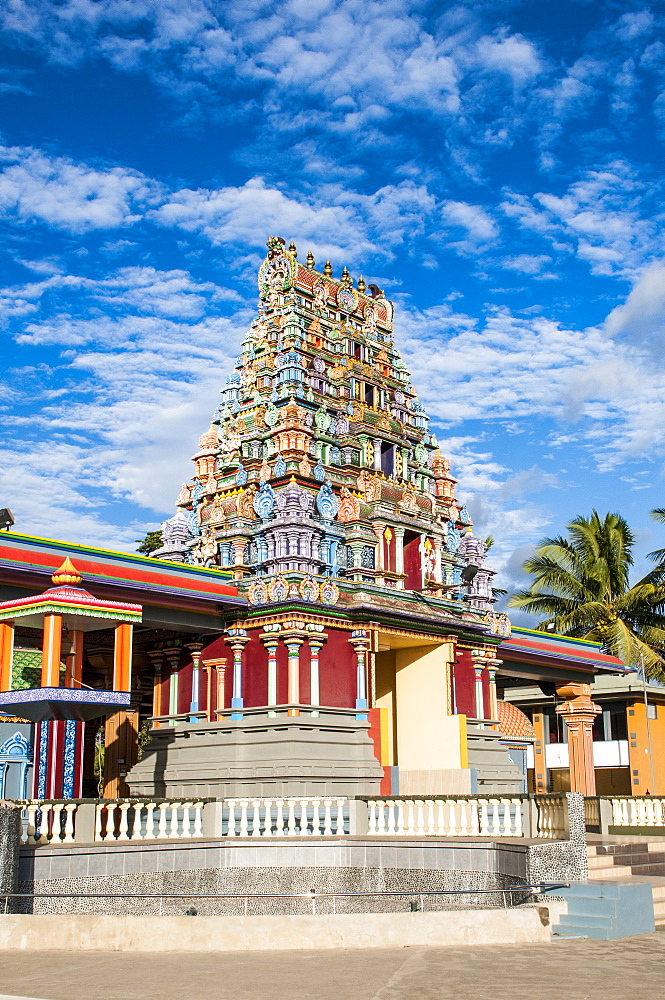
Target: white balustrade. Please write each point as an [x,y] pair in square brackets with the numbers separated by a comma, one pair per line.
[551,817]
[48,822]
[642,811]
[445,817]
[313,817]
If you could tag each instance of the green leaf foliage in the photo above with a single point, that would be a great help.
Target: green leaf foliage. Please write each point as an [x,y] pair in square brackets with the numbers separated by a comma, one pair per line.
[581,587]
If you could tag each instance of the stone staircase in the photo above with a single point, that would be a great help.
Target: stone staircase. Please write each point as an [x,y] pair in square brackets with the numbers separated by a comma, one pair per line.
[638,860]
[605,911]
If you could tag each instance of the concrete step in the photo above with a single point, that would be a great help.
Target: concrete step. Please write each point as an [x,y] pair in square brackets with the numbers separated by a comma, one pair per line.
[610,873]
[585,920]
[597,933]
[607,910]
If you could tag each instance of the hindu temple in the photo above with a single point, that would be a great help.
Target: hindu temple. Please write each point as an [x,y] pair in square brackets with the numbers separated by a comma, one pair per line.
[319,618]
[369,637]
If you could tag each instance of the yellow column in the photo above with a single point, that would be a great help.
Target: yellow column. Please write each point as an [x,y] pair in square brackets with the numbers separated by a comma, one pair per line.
[122,657]
[6,655]
[578,712]
[51,646]
[539,751]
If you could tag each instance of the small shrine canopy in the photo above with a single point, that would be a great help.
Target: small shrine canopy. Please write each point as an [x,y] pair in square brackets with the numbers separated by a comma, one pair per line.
[79,609]
[67,605]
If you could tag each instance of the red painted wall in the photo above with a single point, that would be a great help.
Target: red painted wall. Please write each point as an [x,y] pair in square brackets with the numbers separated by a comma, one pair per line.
[464,680]
[337,670]
[412,566]
[389,551]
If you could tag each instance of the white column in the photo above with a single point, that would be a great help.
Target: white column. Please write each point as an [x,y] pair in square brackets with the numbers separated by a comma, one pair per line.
[360,643]
[399,552]
[195,649]
[315,645]
[271,645]
[377,454]
[237,638]
[480,706]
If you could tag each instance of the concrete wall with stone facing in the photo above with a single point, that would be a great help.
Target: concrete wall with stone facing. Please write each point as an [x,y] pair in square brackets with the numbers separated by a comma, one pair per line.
[10,829]
[349,865]
[565,860]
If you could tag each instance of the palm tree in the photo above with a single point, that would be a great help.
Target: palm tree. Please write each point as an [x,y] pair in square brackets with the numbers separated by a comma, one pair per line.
[581,584]
[658,555]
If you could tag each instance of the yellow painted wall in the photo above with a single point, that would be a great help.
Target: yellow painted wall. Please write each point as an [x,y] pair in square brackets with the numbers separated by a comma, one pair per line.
[427,737]
[638,746]
[385,699]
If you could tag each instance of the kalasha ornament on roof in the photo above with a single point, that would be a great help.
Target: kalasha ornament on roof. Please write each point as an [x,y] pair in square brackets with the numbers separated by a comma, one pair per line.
[319,479]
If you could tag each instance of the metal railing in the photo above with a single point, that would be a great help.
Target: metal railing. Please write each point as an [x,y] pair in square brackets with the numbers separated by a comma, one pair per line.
[412,895]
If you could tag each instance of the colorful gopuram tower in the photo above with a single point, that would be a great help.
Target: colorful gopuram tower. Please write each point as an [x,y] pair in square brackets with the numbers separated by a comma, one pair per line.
[368,601]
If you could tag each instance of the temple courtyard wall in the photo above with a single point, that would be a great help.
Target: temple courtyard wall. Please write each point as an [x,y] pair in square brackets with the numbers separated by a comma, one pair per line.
[140,878]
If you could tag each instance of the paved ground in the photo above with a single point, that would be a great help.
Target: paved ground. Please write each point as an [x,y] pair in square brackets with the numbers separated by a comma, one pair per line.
[563,970]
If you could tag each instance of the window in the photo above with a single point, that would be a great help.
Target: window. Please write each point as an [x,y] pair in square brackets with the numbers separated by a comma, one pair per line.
[387,458]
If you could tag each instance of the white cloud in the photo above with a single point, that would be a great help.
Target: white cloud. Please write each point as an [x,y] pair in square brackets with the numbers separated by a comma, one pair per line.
[511,54]
[527,263]
[478,226]
[603,218]
[69,195]
[642,315]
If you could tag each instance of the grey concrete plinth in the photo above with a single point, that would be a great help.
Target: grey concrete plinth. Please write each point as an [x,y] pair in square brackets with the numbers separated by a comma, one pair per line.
[261,757]
[496,772]
[10,843]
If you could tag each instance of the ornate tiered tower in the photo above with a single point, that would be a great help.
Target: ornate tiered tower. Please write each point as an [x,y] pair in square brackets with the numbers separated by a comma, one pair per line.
[319,484]
[318,476]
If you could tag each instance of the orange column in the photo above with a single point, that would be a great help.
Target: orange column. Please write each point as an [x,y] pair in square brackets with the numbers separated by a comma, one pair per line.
[122,657]
[156,658]
[6,655]
[578,712]
[51,646]
[74,661]
[215,670]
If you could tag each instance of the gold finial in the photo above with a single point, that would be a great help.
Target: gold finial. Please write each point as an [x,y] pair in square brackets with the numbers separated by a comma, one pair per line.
[310,259]
[67,573]
[345,273]
[361,284]
[292,249]
[327,270]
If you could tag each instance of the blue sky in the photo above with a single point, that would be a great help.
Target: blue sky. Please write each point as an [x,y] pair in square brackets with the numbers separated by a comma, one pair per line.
[495,166]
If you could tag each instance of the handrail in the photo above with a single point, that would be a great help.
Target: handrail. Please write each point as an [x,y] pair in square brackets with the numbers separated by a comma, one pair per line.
[311,894]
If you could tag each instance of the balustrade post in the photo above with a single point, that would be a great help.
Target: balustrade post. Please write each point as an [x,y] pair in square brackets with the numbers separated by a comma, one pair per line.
[359,817]
[212,819]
